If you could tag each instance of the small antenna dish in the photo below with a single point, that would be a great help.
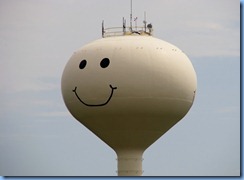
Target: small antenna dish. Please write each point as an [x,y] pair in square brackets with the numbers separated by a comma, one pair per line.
[149,26]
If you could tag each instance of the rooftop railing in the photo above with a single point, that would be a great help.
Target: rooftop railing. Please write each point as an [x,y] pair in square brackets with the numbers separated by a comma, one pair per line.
[123,31]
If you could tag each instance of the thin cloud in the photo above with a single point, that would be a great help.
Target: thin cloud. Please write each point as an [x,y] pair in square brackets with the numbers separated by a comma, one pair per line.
[27,85]
[54,114]
[230,109]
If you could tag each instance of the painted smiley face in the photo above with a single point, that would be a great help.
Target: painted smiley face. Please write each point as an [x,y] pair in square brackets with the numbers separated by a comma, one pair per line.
[104,64]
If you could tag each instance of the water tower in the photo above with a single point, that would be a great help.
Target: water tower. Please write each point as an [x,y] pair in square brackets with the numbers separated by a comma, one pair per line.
[129,88]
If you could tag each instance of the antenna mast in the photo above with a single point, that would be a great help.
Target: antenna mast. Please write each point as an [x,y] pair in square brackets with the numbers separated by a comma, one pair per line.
[131,15]
[103,29]
[145,21]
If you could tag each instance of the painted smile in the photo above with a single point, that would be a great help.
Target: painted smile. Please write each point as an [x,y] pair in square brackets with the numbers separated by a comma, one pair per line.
[93,105]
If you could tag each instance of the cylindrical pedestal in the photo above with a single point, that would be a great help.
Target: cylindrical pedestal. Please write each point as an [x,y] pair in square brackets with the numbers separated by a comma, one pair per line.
[130,162]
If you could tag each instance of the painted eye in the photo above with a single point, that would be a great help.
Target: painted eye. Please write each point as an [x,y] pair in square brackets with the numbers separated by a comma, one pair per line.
[104,63]
[82,64]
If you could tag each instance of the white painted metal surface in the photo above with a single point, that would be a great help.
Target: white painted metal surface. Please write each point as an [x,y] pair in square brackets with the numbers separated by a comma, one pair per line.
[145,87]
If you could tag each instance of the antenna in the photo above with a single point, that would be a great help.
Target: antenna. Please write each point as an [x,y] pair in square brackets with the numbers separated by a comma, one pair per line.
[103,29]
[124,25]
[131,15]
[132,29]
[145,21]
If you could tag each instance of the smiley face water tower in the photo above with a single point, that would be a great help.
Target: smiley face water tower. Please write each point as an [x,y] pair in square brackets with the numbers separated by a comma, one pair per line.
[129,88]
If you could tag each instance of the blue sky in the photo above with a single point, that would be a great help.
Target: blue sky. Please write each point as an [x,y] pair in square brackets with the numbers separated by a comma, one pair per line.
[38,136]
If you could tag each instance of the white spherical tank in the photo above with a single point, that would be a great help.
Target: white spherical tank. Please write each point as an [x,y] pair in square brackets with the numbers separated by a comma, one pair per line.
[129,90]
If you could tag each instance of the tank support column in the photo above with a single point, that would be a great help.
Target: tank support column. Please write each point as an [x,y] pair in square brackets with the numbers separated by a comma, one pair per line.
[129,162]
